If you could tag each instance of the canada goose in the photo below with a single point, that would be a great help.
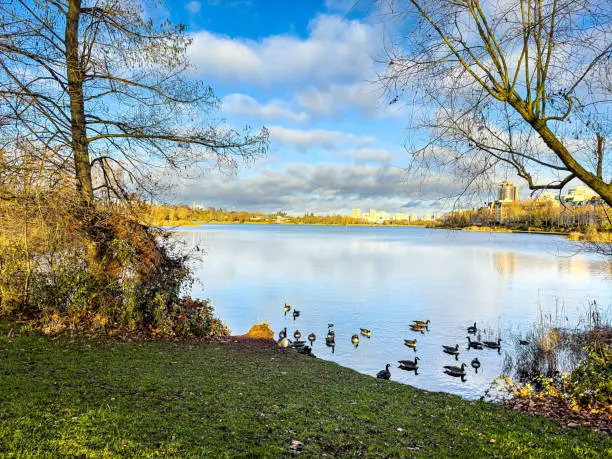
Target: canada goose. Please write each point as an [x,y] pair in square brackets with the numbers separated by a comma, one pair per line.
[306,350]
[330,325]
[410,343]
[312,337]
[475,364]
[283,333]
[417,329]
[473,344]
[297,334]
[330,335]
[355,340]
[365,332]
[330,343]
[493,344]
[456,374]
[456,370]
[384,374]
[286,308]
[472,329]
[523,342]
[283,343]
[452,351]
[409,364]
[420,323]
[296,313]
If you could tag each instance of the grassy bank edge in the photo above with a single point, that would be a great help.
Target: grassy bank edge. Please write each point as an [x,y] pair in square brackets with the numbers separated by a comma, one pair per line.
[236,396]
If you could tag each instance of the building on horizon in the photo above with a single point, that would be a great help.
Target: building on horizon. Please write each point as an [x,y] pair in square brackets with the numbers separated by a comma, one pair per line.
[580,195]
[356,213]
[507,192]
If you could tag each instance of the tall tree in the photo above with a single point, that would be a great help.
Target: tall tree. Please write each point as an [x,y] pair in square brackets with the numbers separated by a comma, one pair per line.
[519,84]
[104,87]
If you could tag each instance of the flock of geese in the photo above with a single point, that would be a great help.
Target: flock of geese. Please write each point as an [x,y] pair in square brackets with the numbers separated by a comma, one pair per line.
[418,326]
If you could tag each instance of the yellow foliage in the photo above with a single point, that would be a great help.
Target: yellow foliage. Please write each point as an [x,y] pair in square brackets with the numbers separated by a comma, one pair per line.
[549,341]
[261,331]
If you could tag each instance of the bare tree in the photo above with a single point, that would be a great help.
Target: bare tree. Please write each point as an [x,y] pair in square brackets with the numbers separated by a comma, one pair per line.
[105,89]
[519,84]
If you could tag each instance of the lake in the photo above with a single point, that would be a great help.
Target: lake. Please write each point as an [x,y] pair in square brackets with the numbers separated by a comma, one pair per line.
[382,278]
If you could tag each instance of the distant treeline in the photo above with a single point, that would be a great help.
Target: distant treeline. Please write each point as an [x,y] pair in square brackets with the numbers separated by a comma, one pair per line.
[171,215]
[534,214]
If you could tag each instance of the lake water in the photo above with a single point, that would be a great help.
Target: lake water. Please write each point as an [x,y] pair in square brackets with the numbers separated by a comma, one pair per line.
[382,278]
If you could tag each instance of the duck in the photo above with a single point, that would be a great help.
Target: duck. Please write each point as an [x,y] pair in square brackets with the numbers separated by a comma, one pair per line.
[472,329]
[283,343]
[455,371]
[493,344]
[297,334]
[312,338]
[475,364]
[409,364]
[365,332]
[420,323]
[330,335]
[286,308]
[473,344]
[296,313]
[523,342]
[330,325]
[355,340]
[410,343]
[384,374]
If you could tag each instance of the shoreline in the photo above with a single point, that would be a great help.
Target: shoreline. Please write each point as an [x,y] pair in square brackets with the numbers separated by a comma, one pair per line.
[374,225]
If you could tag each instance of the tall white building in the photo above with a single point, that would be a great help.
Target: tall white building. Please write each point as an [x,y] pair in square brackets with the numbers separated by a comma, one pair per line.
[507,192]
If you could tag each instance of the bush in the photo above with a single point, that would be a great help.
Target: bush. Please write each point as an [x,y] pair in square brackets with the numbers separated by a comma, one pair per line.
[67,265]
[589,386]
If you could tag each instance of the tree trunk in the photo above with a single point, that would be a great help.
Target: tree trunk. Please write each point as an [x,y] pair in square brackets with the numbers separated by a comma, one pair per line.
[75,76]
[591,180]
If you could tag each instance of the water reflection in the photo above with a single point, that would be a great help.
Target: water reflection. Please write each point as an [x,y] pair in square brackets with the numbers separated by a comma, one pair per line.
[505,263]
[381,279]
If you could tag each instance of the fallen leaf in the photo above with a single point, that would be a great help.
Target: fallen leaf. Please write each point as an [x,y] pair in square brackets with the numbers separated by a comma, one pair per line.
[296,445]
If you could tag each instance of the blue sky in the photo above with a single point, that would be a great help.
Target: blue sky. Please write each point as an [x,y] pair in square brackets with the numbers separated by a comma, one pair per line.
[307,72]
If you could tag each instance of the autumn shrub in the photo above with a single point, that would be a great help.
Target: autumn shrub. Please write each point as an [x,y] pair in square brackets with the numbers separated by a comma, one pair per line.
[66,265]
[589,385]
[573,364]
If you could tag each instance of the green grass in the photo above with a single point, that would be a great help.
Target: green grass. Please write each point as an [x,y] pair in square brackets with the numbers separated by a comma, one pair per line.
[64,397]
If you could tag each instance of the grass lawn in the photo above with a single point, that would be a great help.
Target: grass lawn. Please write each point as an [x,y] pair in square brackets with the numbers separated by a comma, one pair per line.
[226,399]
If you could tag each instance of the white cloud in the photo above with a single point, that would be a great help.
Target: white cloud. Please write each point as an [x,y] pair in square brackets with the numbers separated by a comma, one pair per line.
[337,49]
[305,139]
[370,155]
[193,7]
[246,105]
[336,99]
[322,188]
